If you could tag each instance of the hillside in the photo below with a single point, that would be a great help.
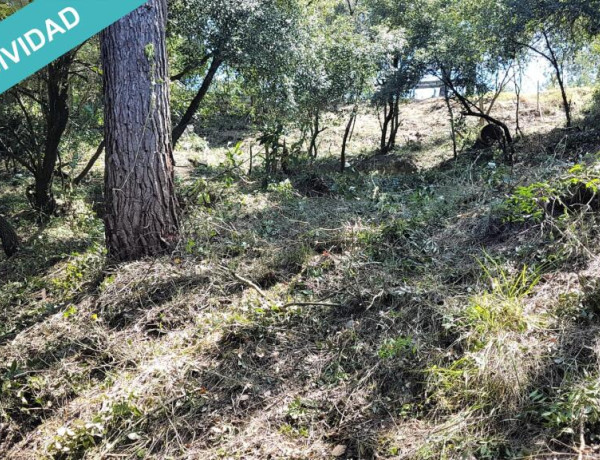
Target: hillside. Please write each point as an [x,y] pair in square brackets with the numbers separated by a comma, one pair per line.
[416,306]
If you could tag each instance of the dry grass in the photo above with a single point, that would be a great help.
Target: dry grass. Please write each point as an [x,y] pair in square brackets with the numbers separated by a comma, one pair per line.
[359,324]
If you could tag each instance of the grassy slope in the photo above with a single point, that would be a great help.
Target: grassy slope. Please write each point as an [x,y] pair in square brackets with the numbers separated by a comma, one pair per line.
[399,316]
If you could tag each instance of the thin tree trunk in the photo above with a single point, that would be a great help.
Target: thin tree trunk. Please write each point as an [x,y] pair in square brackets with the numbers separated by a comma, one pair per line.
[452,122]
[387,129]
[539,107]
[565,99]
[471,110]
[345,141]
[384,129]
[90,164]
[481,108]
[10,240]
[57,118]
[314,134]
[141,207]
[499,89]
[557,68]
[251,161]
[518,84]
[395,123]
[188,116]
[353,126]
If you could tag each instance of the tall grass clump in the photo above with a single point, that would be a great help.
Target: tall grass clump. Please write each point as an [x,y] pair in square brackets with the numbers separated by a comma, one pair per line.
[485,373]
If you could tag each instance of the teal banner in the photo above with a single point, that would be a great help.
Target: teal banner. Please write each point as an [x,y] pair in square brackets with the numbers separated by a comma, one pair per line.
[44,30]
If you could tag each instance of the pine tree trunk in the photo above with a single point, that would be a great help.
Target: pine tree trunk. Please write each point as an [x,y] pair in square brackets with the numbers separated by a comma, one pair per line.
[10,240]
[141,207]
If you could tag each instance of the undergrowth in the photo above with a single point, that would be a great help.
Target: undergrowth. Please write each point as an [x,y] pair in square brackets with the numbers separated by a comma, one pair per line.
[452,313]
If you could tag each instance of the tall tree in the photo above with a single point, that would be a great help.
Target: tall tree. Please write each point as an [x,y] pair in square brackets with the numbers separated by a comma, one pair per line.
[401,35]
[142,211]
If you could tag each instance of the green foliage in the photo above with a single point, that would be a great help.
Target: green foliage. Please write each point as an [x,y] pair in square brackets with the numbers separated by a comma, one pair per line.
[81,268]
[573,407]
[23,393]
[575,190]
[283,189]
[527,204]
[397,348]
[499,309]
[73,440]
[200,192]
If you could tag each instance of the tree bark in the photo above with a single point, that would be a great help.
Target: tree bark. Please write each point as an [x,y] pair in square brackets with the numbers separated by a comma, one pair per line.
[518,83]
[315,130]
[553,60]
[391,117]
[384,129]
[141,207]
[472,110]
[469,112]
[395,123]
[10,240]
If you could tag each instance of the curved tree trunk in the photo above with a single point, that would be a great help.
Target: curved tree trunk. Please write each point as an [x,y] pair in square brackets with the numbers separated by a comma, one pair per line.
[10,240]
[141,207]
[188,116]
[556,65]
[559,77]
[90,164]
[472,110]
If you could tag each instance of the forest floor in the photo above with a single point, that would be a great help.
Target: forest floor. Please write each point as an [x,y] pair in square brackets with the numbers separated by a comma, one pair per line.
[416,306]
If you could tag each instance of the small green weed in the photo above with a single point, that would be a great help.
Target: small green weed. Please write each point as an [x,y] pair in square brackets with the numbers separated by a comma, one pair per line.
[399,347]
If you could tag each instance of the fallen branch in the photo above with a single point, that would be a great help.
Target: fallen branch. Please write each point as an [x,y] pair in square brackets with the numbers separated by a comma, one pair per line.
[310,304]
[251,284]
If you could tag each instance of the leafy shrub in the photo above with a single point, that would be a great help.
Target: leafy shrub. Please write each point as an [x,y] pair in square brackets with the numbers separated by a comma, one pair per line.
[527,204]
[576,190]
[284,189]
[575,409]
